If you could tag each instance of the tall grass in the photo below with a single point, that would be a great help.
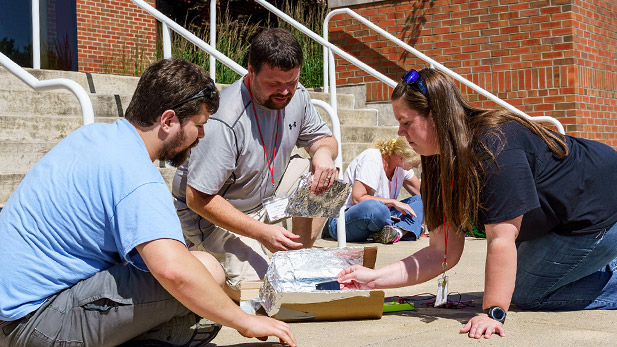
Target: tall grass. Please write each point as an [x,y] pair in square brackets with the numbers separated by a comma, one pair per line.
[128,59]
[234,38]
[312,16]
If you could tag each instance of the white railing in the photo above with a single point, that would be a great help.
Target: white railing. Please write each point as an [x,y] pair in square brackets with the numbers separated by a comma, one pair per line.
[36,35]
[170,24]
[336,131]
[213,39]
[56,83]
[328,64]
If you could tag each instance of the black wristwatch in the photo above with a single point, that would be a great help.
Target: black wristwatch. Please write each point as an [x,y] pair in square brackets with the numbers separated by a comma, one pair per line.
[497,313]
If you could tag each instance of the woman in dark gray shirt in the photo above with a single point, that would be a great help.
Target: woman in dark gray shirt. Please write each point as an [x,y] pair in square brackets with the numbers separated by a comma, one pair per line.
[546,203]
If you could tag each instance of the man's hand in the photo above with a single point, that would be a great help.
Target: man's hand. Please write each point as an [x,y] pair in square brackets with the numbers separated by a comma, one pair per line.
[186,277]
[324,174]
[277,238]
[261,327]
[483,325]
[323,152]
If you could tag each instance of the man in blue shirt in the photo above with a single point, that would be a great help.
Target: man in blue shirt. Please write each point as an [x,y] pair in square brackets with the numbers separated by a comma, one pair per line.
[93,252]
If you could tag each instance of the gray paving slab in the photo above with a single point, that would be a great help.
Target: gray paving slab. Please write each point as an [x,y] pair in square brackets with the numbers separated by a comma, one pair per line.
[429,326]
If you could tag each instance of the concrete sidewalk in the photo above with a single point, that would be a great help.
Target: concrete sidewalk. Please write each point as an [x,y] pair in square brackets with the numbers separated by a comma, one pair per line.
[429,326]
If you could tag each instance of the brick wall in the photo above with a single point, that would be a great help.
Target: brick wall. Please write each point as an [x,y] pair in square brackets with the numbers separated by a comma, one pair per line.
[546,57]
[595,59]
[114,36]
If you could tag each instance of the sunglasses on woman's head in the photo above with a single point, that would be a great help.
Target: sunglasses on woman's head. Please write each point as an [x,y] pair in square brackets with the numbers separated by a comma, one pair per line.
[413,78]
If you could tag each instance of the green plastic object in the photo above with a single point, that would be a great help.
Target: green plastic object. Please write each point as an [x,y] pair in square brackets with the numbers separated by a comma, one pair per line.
[397,306]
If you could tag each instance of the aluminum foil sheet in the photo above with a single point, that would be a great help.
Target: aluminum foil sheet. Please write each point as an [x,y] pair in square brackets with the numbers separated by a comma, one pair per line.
[303,203]
[300,270]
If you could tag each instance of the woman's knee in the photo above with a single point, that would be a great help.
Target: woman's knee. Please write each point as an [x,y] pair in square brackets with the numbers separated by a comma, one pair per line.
[526,299]
[377,209]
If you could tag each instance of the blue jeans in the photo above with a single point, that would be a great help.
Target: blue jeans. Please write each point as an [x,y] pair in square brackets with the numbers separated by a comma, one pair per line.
[370,216]
[557,272]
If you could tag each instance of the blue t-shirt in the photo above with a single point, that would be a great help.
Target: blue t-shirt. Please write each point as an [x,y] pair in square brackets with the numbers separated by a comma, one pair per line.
[81,209]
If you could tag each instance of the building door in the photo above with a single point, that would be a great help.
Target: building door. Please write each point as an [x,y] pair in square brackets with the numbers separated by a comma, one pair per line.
[58,33]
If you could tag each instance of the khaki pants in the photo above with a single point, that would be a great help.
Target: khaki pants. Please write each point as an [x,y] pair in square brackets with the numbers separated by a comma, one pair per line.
[242,258]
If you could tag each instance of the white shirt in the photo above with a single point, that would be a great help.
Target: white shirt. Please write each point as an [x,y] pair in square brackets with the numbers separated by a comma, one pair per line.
[368,169]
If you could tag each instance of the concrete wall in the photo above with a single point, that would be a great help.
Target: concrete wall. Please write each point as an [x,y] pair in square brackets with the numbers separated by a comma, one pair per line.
[546,57]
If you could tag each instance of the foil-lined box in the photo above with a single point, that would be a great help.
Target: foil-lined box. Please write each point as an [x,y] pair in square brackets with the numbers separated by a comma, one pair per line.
[290,293]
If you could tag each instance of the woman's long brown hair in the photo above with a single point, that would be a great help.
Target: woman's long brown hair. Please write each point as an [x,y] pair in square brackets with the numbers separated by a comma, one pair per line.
[456,170]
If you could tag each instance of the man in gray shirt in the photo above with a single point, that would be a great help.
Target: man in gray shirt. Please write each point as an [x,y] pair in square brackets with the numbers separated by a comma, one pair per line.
[246,158]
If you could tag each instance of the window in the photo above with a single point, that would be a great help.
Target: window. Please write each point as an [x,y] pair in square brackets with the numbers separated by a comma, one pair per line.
[58,27]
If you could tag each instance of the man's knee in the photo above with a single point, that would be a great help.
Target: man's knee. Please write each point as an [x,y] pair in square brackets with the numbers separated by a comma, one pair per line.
[212,265]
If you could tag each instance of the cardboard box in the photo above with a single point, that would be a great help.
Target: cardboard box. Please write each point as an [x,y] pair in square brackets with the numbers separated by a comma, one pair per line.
[326,305]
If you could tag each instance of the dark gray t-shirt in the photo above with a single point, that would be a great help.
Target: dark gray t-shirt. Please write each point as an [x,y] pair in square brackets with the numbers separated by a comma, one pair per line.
[572,196]
[230,159]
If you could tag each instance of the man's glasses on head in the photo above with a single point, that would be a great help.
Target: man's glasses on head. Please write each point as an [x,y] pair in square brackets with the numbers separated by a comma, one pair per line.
[413,78]
[209,92]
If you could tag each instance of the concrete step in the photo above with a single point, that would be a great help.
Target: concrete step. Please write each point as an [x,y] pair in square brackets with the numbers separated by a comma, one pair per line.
[41,128]
[102,84]
[342,100]
[124,85]
[59,103]
[21,156]
[364,117]
[384,109]
[66,104]
[367,134]
[8,184]
[352,150]
[36,135]
[63,102]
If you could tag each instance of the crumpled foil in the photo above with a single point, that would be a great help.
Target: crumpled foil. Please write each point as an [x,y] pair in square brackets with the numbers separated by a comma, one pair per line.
[303,203]
[300,270]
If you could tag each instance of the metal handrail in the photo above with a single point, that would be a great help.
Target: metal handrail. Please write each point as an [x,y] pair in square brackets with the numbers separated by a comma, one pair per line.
[213,39]
[36,35]
[170,24]
[56,83]
[338,162]
[329,64]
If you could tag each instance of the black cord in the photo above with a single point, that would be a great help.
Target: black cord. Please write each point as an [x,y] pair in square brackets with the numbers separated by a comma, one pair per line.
[451,304]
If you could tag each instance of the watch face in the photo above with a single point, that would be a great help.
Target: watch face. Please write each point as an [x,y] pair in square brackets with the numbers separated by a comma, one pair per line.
[497,313]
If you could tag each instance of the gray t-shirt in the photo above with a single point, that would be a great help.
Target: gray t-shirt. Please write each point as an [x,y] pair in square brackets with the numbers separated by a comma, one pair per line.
[230,159]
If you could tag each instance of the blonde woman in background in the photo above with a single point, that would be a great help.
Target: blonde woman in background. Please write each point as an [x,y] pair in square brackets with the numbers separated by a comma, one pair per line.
[372,209]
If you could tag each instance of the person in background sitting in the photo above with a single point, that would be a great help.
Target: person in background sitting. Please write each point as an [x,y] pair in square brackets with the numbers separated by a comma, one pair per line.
[372,209]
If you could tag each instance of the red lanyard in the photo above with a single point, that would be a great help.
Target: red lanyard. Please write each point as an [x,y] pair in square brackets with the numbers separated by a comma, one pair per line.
[270,164]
